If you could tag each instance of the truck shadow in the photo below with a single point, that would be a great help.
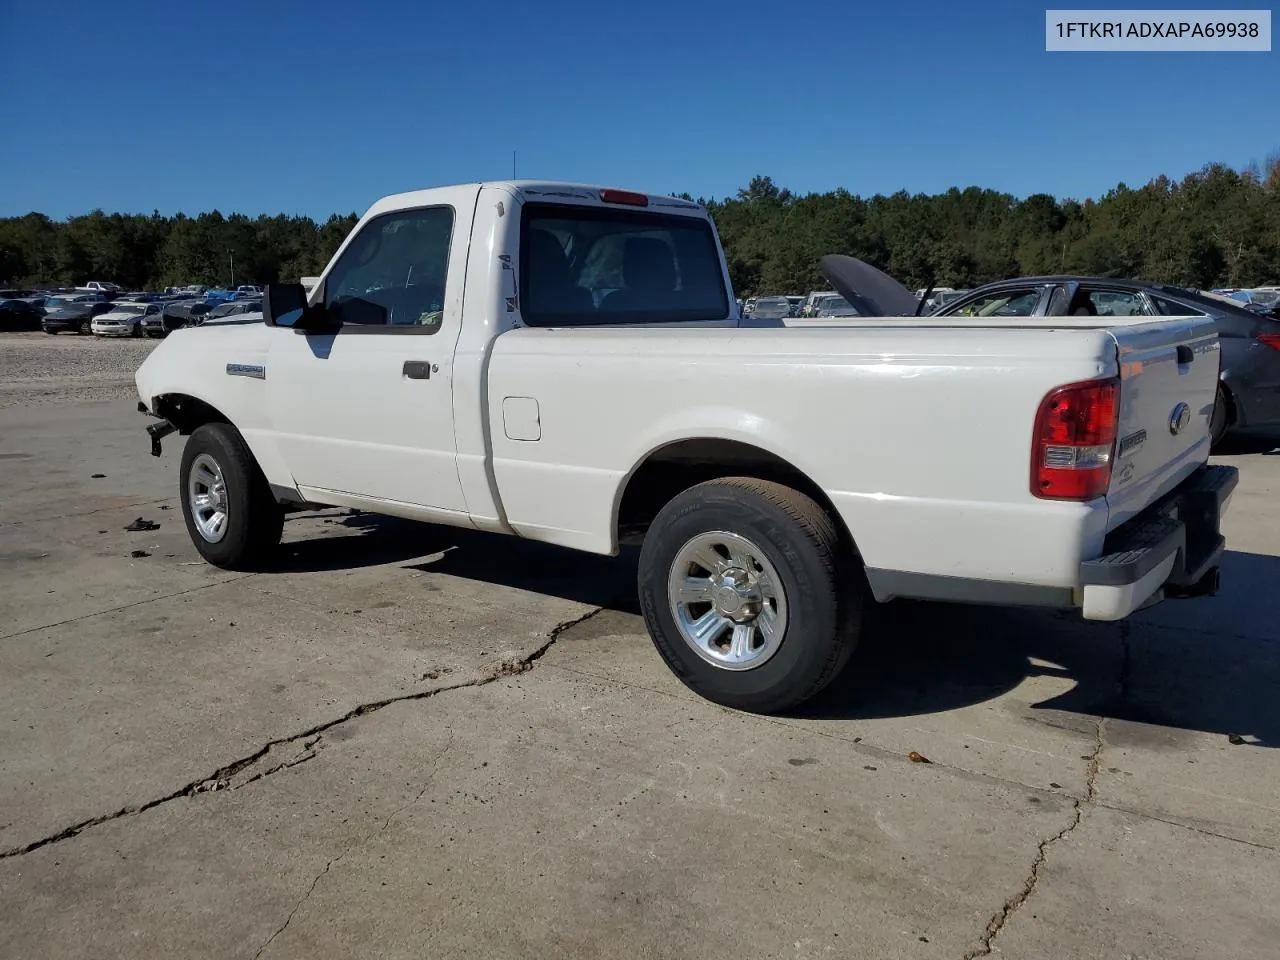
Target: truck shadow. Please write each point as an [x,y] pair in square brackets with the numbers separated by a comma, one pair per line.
[1243,444]
[367,540]
[1209,665]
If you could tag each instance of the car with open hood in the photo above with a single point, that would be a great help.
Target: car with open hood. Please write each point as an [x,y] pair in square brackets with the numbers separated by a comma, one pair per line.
[1248,391]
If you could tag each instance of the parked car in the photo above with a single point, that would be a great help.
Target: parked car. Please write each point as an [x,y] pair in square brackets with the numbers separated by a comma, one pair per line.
[234,308]
[1248,394]
[20,314]
[834,306]
[123,319]
[771,308]
[249,291]
[75,316]
[810,302]
[99,286]
[177,314]
[778,480]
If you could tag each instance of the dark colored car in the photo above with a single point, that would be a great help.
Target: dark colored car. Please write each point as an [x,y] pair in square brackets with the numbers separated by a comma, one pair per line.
[1249,377]
[179,313]
[20,314]
[74,316]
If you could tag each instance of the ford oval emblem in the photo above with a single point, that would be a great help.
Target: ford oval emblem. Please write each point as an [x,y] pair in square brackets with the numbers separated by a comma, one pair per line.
[1179,418]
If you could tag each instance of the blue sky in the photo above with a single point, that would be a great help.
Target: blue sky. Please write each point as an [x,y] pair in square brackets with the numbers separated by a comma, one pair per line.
[322,106]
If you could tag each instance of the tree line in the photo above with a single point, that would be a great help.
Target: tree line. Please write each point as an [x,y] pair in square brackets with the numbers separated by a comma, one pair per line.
[1216,227]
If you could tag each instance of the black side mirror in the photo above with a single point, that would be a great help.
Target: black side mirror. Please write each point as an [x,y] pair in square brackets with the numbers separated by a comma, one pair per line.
[285,305]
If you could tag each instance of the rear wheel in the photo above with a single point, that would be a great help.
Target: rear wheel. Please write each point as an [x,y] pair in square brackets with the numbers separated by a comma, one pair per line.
[1221,416]
[748,594]
[231,515]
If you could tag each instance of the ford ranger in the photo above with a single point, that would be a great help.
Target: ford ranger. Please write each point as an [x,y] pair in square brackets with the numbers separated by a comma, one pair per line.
[567,364]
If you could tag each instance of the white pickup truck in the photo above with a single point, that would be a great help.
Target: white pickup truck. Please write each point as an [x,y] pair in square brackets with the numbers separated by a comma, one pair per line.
[566,363]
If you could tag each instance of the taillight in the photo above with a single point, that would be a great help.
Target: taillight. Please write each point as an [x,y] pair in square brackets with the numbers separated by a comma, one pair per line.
[1074,441]
[1272,340]
[624,196]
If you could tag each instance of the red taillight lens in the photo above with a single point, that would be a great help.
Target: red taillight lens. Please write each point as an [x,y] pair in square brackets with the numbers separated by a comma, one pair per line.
[1074,441]
[1272,340]
[624,196]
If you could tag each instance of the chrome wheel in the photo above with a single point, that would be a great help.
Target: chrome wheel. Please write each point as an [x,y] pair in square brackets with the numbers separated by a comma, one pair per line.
[727,600]
[207,494]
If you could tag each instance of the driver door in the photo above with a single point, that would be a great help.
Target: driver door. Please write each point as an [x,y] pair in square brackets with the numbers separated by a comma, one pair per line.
[365,415]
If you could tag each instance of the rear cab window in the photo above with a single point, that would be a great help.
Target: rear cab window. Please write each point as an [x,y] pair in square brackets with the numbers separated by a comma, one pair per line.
[594,266]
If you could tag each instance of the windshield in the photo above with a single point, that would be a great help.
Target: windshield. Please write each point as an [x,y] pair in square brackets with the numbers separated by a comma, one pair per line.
[600,265]
[129,308]
[58,303]
[1266,298]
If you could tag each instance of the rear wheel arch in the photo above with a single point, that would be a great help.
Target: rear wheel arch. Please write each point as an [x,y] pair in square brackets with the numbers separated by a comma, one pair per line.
[668,470]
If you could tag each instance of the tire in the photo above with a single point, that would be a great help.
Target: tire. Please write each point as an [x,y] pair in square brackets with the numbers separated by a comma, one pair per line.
[86,329]
[137,331]
[253,520]
[1221,418]
[820,606]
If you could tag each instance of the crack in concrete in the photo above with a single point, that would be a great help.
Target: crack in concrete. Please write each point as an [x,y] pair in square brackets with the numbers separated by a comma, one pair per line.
[1001,917]
[222,777]
[86,513]
[435,762]
[1186,826]
[126,606]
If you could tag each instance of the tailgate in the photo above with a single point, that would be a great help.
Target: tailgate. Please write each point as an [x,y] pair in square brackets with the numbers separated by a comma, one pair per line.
[1168,383]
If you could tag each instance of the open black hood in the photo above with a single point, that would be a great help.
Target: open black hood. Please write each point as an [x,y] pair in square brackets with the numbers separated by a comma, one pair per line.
[868,290]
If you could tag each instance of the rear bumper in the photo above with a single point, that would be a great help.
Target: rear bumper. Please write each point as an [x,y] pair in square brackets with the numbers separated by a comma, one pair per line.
[1171,548]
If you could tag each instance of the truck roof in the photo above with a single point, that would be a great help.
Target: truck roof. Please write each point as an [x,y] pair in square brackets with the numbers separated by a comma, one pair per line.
[543,190]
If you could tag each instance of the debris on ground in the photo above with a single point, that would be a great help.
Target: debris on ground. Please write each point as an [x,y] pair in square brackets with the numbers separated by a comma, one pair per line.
[97,476]
[138,554]
[1235,739]
[918,757]
[140,525]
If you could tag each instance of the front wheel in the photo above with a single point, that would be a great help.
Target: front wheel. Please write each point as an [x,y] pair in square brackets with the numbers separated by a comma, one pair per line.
[748,594]
[231,515]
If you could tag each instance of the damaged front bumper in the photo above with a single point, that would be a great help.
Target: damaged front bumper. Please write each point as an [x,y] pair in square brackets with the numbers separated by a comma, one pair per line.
[156,431]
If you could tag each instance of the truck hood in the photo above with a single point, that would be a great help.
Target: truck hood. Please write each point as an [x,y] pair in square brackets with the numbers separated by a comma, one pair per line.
[871,292]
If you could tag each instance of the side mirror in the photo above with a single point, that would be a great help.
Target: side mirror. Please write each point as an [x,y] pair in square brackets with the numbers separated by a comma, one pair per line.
[285,305]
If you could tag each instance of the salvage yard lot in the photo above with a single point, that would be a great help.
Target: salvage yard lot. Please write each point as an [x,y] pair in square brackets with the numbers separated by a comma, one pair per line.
[413,741]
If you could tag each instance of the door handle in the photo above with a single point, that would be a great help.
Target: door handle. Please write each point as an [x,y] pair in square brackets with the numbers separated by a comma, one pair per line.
[417,369]
[1185,354]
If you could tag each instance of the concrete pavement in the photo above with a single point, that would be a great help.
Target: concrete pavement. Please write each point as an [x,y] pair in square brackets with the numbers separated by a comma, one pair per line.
[413,741]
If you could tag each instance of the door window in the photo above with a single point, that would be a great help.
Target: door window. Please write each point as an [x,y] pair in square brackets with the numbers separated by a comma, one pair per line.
[1119,303]
[393,272]
[1004,303]
[1168,308]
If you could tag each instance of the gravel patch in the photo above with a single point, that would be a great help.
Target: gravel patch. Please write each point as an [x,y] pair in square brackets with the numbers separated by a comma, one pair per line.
[36,368]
